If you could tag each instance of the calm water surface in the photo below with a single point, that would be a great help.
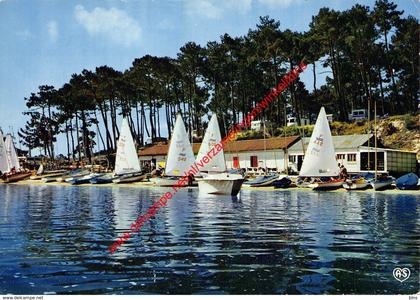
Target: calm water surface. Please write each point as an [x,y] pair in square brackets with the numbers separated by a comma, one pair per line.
[54,239]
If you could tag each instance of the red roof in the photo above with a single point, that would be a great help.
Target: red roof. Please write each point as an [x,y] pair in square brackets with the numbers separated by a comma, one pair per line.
[231,147]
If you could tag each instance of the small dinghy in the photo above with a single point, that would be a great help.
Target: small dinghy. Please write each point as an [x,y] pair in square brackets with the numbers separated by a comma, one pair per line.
[180,157]
[102,179]
[319,162]
[382,183]
[358,183]
[84,179]
[127,165]
[326,183]
[217,180]
[407,182]
[282,183]
[265,180]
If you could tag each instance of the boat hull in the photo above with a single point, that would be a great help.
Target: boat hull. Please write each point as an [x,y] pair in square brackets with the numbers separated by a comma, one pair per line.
[16,177]
[130,178]
[101,179]
[165,181]
[261,183]
[283,183]
[407,182]
[379,185]
[328,185]
[223,184]
[354,185]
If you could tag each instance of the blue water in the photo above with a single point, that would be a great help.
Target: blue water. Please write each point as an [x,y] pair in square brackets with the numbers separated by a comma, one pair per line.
[54,240]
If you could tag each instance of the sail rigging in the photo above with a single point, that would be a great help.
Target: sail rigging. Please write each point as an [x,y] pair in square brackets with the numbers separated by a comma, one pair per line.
[320,155]
[126,160]
[180,154]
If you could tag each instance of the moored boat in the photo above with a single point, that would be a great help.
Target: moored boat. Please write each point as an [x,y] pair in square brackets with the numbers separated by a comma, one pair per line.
[265,180]
[319,161]
[84,179]
[359,183]
[382,183]
[180,156]
[220,184]
[103,179]
[326,184]
[282,183]
[407,182]
[216,179]
[127,165]
[130,178]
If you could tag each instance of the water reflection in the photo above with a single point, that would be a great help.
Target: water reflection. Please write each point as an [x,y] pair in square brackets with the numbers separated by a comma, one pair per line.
[54,239]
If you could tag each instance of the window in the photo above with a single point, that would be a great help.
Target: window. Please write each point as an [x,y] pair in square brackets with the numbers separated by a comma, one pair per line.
[292,158]
[341,156]
[351,157]
[236,162]
[254,161]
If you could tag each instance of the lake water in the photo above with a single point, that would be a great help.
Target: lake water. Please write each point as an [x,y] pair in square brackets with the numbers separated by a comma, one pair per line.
[54,239]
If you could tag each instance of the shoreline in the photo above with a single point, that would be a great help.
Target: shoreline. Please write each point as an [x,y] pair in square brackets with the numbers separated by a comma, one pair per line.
[244,187]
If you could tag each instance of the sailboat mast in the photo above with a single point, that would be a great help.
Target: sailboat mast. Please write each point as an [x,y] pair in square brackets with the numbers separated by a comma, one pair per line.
[368,166]
[265,148]
[376,145]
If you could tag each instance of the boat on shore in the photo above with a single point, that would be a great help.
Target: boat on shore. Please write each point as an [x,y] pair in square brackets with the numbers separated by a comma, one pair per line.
[320,163]
[180,157]
[216,179]
[265,180]
[102,179]
[407,182]
[381,183]
[358,183]
[282,183]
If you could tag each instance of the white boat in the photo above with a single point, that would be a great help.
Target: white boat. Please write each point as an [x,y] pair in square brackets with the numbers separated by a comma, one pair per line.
[127,165]
[356,184]
[216,180]
[180,156]
[319,161]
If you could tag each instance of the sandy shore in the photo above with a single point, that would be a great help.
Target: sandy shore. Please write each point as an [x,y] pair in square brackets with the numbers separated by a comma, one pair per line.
[244,187]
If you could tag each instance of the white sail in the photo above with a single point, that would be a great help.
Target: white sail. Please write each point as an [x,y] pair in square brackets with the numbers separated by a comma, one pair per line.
[320,154]
[180,154]
[211,138]
[11,155]
[127,160]
[4,165]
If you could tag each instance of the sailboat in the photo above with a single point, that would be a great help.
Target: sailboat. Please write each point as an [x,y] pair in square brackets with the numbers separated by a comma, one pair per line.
[216,179]
[319,158]
[10,163]
[127,165]
[180,156]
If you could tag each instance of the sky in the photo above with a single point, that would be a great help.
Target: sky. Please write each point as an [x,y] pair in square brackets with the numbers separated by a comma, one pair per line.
[45,41]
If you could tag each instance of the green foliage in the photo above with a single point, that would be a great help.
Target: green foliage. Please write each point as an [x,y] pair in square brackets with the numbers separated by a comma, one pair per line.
[372,54]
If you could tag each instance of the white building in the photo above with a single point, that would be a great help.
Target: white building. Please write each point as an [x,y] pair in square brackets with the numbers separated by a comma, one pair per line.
[357,153]
[254,155]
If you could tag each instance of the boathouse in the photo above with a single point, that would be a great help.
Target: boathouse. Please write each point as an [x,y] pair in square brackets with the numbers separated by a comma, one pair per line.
[357,153]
